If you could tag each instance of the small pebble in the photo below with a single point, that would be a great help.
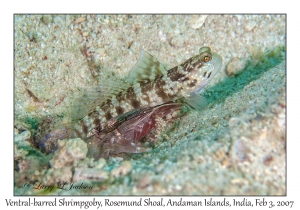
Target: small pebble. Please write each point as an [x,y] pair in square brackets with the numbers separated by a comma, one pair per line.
[59,21]
[239,150]
[144,182]
[100,163]
[77,148]
[250,25]
[22,137]
[239,181]
[123,169]
[92,174]
[197,21]
[68,151]
[47,19]
[236,66]
[80,20]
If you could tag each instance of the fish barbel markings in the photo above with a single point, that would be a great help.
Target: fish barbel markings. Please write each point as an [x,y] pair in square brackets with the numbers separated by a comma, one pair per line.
[150,85]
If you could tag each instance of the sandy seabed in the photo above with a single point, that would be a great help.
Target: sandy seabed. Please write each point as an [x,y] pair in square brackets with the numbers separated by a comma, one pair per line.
[236,146]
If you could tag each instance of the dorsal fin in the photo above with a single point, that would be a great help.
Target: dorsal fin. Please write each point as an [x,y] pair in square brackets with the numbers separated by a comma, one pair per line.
[83,101]
[86,100]
[147,68]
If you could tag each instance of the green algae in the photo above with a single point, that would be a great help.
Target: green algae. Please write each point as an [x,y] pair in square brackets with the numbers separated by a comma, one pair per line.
[32,122]
[32,151]
[261,62]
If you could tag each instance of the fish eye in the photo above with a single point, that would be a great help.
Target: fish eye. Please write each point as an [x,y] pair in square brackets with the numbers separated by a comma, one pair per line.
[205,57]
[205,54]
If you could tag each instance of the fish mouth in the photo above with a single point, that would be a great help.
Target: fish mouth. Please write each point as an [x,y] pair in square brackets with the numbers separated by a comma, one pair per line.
[216,62]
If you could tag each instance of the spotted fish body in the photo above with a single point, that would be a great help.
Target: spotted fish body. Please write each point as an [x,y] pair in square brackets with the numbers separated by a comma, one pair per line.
[148,84]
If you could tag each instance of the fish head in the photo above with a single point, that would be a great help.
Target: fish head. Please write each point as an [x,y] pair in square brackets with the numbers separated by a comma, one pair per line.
[200,69]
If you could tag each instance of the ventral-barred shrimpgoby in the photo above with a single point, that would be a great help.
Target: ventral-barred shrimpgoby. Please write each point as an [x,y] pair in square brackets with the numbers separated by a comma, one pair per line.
[149,85]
